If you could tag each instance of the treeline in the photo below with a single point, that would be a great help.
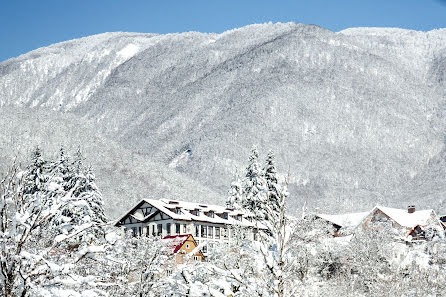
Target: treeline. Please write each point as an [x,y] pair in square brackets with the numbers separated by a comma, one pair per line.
[55,240]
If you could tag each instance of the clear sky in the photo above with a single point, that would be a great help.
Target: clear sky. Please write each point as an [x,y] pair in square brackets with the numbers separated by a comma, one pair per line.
[27,25]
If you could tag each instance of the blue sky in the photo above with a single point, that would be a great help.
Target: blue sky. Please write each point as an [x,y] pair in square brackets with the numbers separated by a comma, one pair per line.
[27,25]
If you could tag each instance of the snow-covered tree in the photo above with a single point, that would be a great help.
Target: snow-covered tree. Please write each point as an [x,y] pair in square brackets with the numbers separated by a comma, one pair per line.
[26,267]
[37,173]
[276,247]
[254,187]
[240,265]
[63,181]
[272,183]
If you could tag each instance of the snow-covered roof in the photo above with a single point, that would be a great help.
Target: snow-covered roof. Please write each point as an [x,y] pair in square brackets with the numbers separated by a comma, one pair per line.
[206,212]
[175,242]
[406,219]
[400,216]
[345,220]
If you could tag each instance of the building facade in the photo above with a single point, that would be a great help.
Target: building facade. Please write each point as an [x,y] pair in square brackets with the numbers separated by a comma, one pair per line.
[208,224]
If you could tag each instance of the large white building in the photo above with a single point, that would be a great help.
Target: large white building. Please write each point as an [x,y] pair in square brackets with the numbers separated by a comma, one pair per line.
[207,223]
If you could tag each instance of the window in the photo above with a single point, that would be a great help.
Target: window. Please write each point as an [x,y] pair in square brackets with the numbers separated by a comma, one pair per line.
[184,228]
[225,215]
[195,258]
[177,228]
[197,230]
[148,231]
[210,232]
[139,231]
[225,232]
[159,230]
[239,217]
[255,234]
[169,272]
[187,246]
[204,231]
[134,231]
[205,249]
[217,232]
[195,212]
[153,230]
[168,228]
[211,214]
[177,210]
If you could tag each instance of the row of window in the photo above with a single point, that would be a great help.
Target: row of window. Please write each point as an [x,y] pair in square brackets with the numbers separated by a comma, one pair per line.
[202,231]
[158,229]
[208,231]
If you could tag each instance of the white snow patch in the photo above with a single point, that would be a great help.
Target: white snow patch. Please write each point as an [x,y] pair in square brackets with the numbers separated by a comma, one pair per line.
[180,159]
[128,51]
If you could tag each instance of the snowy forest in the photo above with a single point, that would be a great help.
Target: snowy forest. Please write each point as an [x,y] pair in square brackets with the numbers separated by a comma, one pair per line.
[56,240]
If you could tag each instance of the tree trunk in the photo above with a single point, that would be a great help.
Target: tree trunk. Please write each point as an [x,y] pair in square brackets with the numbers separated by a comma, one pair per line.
[8,287]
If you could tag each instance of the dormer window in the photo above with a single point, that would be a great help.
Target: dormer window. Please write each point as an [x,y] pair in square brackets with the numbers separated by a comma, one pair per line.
[196,212]
[211,214]
[225,215]
[178,210]
[239,217]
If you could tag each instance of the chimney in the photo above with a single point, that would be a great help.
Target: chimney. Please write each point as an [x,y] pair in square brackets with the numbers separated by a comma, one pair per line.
[411,209]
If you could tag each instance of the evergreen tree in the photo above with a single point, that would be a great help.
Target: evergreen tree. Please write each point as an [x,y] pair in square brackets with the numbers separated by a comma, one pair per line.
[272,183]
[73,187]
[254,187]
[85,205]
[37,171]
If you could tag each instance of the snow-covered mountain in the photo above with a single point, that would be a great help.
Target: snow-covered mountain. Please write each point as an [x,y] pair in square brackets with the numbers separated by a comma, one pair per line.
[357,116]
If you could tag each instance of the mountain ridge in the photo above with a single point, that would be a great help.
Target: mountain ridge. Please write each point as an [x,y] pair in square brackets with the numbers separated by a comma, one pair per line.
[355,116]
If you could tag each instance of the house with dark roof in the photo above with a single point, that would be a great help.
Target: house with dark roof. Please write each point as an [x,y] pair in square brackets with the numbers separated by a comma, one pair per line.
[210,224]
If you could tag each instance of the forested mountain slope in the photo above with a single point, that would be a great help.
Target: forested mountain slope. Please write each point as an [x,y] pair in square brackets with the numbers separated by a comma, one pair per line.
[357,116]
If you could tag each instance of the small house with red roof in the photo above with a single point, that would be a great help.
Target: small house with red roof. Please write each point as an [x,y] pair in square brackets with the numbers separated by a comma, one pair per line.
[182,246]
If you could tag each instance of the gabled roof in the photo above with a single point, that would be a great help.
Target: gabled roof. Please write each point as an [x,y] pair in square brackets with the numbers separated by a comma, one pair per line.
[345,220]
[175,242]
[185,208]
[404,218]
[400,216]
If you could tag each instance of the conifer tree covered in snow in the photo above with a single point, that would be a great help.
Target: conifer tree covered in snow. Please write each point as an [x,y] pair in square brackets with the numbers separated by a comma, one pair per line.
[259,192]
[86,203]
[73,185]
[37,177]
[274,190]
[26,265]
[254,187]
